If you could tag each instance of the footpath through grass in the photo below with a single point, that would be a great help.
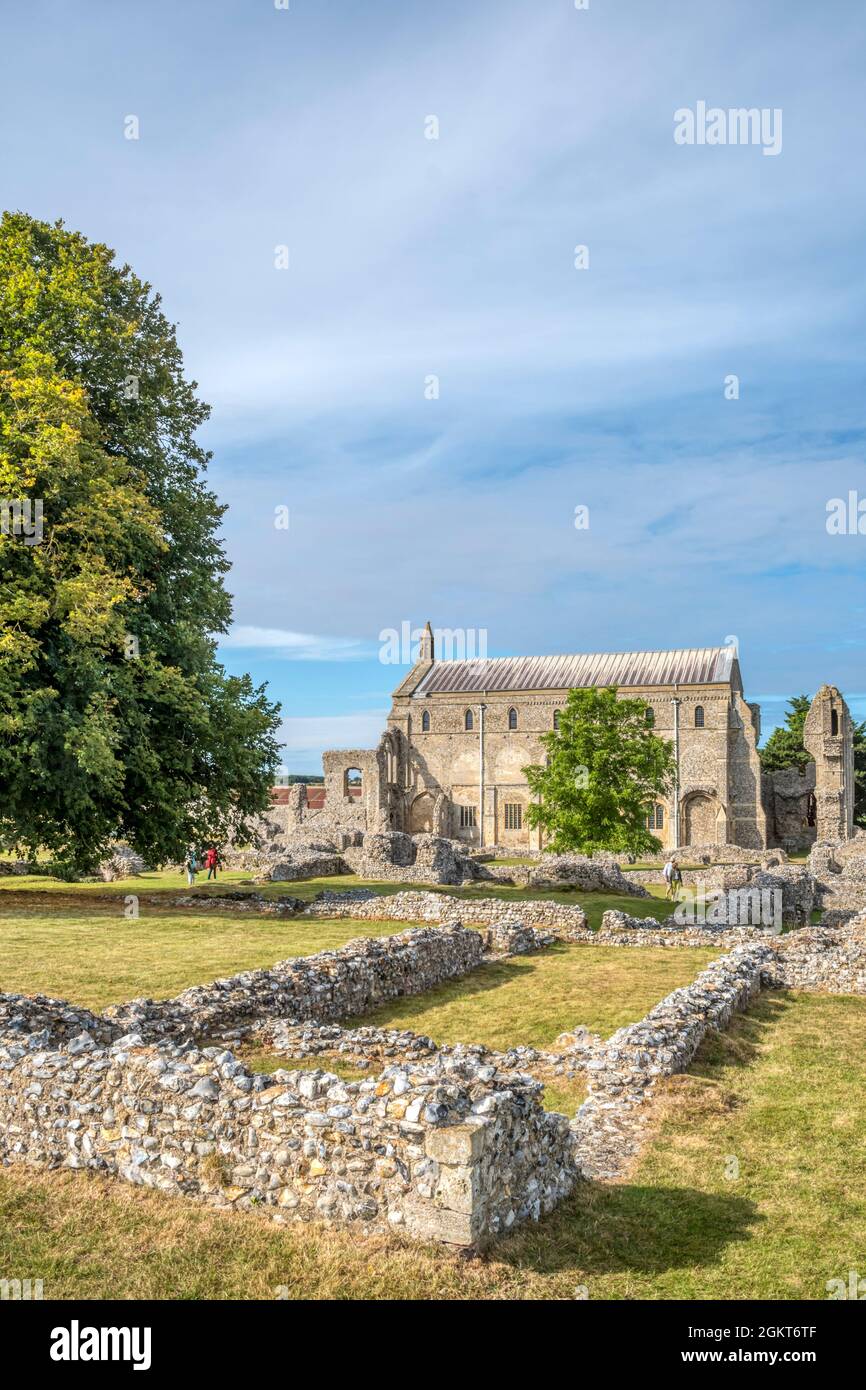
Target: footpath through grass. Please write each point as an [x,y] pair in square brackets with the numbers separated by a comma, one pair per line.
[784,1093]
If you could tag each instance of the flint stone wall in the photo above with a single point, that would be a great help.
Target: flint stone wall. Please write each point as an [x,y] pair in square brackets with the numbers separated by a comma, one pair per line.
[710,854]
[393,856]
[608,1127]
[8,867]
[122,862]
[446,1151]
[329,985]
[305,864]
[577,871]
[565,919]
[619,929]
[840,872]
[823,959]
[513,938]
[796,885]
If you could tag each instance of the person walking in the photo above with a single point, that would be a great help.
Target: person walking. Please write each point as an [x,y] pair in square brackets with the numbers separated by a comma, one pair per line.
[672,875]
[211,860]
[676,879]
[191,868]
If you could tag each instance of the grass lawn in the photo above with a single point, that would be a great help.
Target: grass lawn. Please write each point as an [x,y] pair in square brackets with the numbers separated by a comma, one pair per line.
[532,999]
[95,956]
[75,942]
[163,882]
[784,1092]
[85,949]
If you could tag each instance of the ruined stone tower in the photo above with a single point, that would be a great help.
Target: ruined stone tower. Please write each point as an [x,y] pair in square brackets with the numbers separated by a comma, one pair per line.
[829,739]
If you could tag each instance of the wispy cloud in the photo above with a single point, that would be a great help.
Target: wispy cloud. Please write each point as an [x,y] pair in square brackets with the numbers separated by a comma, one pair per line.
[294,646]
[454,257]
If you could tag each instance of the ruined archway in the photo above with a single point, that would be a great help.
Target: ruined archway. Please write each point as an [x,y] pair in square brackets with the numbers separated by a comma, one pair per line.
[421,815]
[700,819]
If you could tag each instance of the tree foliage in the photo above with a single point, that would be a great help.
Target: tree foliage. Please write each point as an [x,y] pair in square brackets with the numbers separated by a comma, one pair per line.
[115,717]
[604,768]
[785,748]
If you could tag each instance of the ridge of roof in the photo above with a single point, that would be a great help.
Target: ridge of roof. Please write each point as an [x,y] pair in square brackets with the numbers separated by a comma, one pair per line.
[671,666]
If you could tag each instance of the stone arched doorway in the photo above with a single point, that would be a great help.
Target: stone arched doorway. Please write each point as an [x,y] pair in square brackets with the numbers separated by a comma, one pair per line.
[421,815]
[700,815]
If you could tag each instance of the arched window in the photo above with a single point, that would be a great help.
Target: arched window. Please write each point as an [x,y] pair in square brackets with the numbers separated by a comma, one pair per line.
[469,720]
[425,722]
[353,782]
[699,716]
[556,720]
[512,719]
[834,722]
[650,717]
[655,818]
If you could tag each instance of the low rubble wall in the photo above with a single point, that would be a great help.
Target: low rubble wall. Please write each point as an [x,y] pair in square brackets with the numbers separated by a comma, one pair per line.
[444,1151]
[562,918]
[328,985]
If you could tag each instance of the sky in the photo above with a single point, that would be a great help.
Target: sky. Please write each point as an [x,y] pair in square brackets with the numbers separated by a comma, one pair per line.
[363,218]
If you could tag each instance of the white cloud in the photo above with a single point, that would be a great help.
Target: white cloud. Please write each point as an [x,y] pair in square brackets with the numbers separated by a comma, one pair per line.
[294,646]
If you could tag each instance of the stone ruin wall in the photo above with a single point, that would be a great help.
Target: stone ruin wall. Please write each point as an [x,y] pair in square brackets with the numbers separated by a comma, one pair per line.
[356,978]
[446,1150]
[450,1147]
[436,1151]
[565,919]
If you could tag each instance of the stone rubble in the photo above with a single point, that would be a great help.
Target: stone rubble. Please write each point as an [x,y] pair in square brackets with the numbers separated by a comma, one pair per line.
[602,875]
[824,959]
[619,929]
[609,1125]
[445,1143]
[365,1047]
[8,867]
[564,919]
[839,868]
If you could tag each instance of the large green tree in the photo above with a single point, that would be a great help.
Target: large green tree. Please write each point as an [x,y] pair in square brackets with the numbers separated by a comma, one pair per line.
[785,748]
[604,768]
[115,717]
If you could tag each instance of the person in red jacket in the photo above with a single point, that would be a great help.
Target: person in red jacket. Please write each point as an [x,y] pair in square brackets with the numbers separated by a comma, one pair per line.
[211,860]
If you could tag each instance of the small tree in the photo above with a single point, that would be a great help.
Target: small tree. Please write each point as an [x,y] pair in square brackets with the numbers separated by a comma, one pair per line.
[605,767]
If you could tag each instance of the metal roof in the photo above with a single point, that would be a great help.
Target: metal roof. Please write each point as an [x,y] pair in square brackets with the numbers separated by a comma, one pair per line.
[691,666]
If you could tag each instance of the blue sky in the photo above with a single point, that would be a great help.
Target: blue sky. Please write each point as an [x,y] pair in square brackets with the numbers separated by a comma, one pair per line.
[454,257]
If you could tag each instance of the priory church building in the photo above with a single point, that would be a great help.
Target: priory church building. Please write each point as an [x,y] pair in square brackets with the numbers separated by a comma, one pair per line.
[460,732]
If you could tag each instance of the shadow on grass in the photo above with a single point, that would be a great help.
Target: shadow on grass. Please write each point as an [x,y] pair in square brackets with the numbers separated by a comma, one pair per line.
[479,981]
[722,1053]
[605,1228]
[614,1229]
